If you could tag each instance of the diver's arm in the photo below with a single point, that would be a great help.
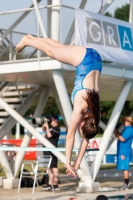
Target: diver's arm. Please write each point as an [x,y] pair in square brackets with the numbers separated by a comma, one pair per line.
[76,165]
[75,119]
[82,149]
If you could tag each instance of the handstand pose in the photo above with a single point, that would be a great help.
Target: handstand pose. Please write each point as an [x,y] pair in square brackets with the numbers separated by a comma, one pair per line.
[85,95]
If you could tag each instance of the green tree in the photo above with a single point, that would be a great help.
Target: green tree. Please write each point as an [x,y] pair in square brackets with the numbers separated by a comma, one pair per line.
[122,13]
[50,108]
[108,14]
[107,108]
[5,55]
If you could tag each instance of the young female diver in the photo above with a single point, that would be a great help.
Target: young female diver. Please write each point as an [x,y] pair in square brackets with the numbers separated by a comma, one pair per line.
[85,95]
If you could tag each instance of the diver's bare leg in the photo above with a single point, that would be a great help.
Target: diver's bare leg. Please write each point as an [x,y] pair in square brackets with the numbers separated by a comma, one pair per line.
[72,55]
[48,40]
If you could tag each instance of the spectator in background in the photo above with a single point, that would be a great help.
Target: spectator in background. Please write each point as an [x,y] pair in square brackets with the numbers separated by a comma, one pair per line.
[101,197]
[127,197]
[124,150]
[52,135]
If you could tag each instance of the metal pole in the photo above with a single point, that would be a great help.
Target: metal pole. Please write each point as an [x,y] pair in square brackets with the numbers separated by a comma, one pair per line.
[110,128]
[39,18]
[55,94]
[102,125]
[28,135]
[6,166]
[71,31]
[63,95]
[131,12]
[49,2]
[106,5]
[10,47]
[17,134]
[30,128]
[55,21]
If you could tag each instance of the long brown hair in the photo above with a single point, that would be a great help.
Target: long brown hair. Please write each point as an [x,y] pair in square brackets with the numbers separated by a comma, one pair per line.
[92,118]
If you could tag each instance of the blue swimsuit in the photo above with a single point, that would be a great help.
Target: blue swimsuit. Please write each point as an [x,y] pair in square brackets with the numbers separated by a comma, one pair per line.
[91,61]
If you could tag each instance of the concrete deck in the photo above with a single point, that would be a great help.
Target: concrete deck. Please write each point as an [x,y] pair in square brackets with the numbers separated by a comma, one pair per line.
[68,189]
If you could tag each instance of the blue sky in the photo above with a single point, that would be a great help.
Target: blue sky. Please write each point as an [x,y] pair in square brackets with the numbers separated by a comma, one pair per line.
[93,6]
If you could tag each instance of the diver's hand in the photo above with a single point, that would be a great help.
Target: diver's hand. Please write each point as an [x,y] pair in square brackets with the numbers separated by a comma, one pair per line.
[71,171]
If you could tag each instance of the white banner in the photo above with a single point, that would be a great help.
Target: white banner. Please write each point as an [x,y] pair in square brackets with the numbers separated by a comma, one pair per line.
[110,155]
[112,38]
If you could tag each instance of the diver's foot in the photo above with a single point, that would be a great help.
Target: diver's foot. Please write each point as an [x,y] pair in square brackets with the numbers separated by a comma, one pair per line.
[21,45]
[30,36]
